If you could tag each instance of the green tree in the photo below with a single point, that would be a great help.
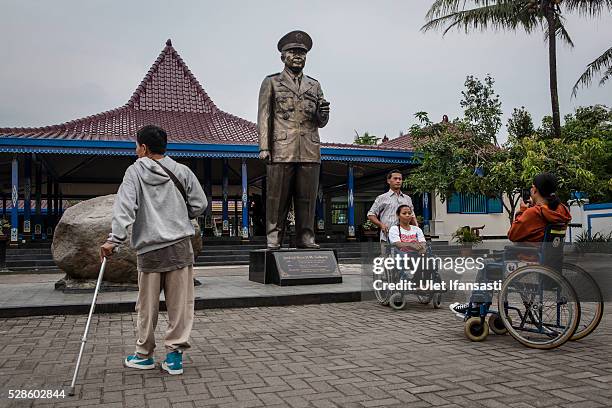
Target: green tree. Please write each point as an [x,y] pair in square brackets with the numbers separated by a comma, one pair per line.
[592,127]
[366,139]
[601,63]
[482,108]
[520,124]
[529,15]
[451,157]
[588,122]
[455,154]
[454,160]
[574,163]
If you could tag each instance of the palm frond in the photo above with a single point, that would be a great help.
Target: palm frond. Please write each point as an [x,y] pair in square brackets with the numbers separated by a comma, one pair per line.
[499,15]
[604,61]
[606,76]
[560,32]
[564,35]
[588,7]
[442,8]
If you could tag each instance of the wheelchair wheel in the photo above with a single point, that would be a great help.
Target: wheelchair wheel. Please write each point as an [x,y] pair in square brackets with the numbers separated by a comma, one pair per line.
[590,297]
[397,301]
[476,329]
[436,300]
[496,324]
[539,307]
[383,295]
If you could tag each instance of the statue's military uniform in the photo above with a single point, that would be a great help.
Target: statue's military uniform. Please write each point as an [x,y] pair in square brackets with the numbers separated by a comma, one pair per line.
[288,123]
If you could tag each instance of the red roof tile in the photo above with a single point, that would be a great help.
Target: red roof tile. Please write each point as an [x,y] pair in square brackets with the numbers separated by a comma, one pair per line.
[402,142]
[169,96]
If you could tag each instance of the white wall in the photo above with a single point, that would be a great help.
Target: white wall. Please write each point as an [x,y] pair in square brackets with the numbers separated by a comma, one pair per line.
[443,224]
[593,217]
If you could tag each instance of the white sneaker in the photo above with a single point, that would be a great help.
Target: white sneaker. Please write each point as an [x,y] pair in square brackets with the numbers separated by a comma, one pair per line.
[459,309]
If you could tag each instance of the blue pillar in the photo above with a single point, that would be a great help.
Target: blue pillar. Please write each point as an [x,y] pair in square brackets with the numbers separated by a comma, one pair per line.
[27,196]
[320,209]
[225,203]
[426,212]
[38,197]
[208,184]
[245,201]
[351,203]
[56,213]
[14,201]
[49,212]
[207,228]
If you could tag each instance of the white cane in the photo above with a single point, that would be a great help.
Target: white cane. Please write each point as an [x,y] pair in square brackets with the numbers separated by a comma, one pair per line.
[84,340]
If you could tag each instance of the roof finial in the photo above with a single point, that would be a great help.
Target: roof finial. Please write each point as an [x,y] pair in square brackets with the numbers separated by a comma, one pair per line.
[169,42]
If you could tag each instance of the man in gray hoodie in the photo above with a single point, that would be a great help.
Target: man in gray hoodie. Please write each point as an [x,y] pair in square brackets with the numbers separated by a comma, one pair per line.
[158,197]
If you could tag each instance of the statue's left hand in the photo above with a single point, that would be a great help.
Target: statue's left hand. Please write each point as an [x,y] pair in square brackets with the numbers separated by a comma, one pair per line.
[324,108]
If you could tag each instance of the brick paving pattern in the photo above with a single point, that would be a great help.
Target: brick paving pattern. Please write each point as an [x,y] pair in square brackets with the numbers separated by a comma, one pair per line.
[331,355]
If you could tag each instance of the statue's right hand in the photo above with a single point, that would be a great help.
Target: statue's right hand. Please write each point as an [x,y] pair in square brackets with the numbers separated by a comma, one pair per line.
[264,155]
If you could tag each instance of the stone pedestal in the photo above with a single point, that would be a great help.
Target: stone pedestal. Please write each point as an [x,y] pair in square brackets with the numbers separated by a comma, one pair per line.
[289,267]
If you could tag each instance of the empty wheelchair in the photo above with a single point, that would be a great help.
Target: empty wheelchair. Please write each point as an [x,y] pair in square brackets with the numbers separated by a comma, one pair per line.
[539,301]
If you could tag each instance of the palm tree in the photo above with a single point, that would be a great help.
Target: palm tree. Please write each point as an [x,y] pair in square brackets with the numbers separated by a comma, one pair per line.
[603,62]
[530,15]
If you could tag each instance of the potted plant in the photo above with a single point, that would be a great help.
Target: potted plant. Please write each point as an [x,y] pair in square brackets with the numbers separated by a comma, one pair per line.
[369,229]
[5,229]
[598,242]
[466,237]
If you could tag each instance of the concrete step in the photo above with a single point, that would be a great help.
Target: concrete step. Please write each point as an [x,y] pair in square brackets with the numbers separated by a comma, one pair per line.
[28,252]
[30,263]
[28,257]
[34,245]
[246,262]
[34,269]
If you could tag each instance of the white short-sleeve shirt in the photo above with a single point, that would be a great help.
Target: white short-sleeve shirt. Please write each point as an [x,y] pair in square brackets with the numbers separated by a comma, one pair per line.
[385,207]
[399,234]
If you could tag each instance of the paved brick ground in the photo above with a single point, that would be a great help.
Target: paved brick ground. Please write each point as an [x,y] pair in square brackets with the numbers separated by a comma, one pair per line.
[349,355]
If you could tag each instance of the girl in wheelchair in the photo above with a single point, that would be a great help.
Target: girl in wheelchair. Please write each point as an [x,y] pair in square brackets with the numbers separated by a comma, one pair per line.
[406,239]
[405,236]
[542,209]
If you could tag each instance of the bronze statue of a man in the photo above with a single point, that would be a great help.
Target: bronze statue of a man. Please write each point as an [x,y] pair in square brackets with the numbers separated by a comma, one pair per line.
[291,111]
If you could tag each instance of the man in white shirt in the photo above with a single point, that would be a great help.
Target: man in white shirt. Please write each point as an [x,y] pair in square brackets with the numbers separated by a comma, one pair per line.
[383,211]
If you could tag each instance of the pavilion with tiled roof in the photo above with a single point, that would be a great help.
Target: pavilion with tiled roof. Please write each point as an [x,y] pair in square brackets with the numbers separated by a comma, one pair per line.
[87,157]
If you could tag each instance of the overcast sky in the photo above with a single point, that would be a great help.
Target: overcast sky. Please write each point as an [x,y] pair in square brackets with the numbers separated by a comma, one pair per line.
[63,59]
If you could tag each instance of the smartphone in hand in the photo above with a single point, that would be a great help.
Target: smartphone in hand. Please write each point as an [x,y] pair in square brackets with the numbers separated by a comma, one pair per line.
[526,196]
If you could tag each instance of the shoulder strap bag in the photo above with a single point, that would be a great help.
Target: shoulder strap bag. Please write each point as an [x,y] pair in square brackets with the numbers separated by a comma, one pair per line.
[176,182]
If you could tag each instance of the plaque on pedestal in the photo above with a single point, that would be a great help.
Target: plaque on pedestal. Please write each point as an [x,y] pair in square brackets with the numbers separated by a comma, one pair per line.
[289,267]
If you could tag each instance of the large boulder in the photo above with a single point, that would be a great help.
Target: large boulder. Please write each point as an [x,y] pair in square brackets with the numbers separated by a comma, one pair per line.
[79,234]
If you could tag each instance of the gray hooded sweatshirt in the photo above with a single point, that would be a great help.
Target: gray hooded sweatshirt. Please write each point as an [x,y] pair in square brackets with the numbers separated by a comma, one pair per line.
[150,201]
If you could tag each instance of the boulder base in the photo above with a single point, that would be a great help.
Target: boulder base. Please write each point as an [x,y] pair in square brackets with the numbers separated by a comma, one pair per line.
[79,234]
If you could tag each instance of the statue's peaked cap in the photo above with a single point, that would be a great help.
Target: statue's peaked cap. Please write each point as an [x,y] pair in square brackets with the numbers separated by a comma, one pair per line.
[295,39]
